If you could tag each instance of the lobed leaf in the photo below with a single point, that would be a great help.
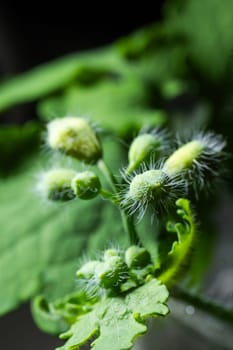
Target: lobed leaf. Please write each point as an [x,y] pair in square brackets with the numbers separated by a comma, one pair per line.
[116,322]
[174,263]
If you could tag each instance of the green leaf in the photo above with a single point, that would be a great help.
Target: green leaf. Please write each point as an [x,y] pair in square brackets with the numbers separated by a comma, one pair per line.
[87,69]
[46,317]
[40,242]
[56,317]
[174,263]
[117,321]
[53,76]
[206,27]
[16,144]
[120,106]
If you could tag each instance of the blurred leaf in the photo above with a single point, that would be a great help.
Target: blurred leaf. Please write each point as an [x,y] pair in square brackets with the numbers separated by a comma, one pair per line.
[55,75]
[17,143]
[105,84]
[206,28]
[121,106]
[41,242]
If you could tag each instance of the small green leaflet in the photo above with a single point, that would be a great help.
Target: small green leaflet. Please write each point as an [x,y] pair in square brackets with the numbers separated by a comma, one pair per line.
[117,321]
[178,257]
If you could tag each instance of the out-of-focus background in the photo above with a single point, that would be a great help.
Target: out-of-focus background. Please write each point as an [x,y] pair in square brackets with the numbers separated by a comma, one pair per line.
[32,34]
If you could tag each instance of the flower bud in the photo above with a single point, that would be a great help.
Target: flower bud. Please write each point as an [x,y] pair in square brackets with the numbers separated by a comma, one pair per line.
[146,185]
[88,270]
[75,137]
[109,253]
[86,185]
[183,157]
[56,184]
[137,257]
[113,272]
[141,148]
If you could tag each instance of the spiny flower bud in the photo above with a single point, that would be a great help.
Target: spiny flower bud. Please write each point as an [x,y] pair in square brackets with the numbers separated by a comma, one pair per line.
[183,157]
[151,187]
[56,184]
[147,184]
[194,163]
[199,161]
[88,270]
[113,272]
[143,146]
[109,253]
[137,257]
[86,185]
[75,137]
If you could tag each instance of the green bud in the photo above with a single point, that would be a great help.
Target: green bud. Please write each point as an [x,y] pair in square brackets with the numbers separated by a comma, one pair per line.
[88,270]
[86,185]
[141,148]
[75,137]
[56,184]
[109,253]
[137,257]
[183,157]
[113,272]
[146,185]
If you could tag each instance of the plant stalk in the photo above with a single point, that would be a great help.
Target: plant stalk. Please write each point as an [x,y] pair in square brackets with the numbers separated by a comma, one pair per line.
[128,222]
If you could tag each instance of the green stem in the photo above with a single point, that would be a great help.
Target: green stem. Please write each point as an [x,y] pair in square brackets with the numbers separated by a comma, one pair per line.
[209,306]
[128,222]
[109,196]
[129,227]
[107,174]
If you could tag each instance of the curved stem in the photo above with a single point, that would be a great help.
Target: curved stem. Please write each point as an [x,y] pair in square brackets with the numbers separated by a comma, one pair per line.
[205,304]
[213,322]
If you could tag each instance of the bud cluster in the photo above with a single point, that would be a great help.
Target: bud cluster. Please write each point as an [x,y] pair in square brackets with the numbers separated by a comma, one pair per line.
[74,137]
[117,271]
[66,184]
[192,164]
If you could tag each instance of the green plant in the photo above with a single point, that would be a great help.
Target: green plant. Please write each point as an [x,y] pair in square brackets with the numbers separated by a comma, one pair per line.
[123,287]
[132,87]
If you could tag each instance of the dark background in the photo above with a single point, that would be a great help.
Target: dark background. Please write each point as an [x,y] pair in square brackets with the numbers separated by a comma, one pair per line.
[31,34]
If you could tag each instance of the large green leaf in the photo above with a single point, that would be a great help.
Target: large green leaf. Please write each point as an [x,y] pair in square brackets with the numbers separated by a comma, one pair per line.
[16,143]
[55,75]
[121,106]
[40,243]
